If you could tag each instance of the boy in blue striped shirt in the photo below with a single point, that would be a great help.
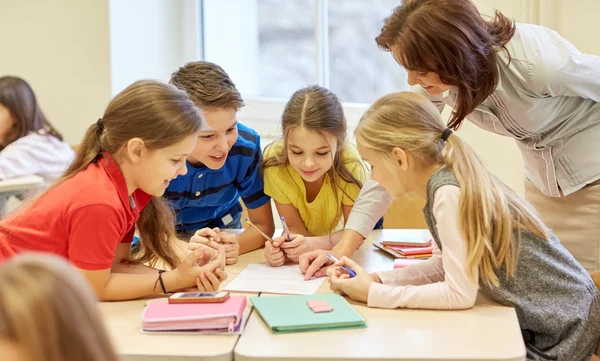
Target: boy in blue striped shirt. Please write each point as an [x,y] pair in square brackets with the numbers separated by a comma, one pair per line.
[223,166]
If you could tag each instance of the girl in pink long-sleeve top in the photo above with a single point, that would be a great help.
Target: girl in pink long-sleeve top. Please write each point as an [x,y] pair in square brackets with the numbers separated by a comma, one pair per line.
[486,237]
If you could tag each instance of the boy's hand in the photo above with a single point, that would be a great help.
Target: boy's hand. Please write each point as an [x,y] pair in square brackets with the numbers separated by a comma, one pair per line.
[205,236]
[273,254]
[232,246]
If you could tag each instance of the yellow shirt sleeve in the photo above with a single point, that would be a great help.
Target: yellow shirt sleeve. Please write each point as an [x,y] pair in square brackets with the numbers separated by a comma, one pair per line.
[355,165]
[276,181]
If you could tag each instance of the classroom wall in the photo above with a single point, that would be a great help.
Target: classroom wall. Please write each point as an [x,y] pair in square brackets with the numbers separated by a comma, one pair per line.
[62,49]
[150,39]
[76,54]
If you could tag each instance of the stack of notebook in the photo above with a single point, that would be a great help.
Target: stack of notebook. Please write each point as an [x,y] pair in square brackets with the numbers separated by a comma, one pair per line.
[409,247]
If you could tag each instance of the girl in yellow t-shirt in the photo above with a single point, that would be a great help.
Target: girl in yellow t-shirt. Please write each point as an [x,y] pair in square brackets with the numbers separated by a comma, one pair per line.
[313,174]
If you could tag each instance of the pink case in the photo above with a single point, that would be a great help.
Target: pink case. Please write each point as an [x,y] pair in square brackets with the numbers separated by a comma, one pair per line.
[164,316]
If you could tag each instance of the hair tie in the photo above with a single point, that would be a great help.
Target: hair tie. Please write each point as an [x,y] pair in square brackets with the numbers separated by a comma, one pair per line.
[100,124]
[446,133]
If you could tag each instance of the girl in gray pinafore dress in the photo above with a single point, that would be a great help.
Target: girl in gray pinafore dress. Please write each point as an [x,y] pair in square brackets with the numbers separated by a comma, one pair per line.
[510,254]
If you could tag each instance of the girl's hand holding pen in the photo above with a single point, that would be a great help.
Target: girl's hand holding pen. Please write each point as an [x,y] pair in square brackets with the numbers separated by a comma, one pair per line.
[295,248]
[273,252]
[356,287]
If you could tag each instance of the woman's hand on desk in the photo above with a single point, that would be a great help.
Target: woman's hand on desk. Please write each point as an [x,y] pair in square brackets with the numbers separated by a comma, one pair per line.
[315,263]
[356,287]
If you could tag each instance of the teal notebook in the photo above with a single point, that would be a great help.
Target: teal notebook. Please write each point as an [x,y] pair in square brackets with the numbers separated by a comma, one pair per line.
[292,314]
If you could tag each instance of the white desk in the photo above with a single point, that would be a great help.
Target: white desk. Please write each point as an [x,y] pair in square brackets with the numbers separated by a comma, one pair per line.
[488,331]
[15,187]
[124,321]
[20,184]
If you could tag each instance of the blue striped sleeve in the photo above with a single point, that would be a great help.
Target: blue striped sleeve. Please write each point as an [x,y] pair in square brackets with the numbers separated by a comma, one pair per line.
[251,187]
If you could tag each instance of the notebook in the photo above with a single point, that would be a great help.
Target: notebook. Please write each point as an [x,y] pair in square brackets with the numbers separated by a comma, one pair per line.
[406,237]
[292,314]
[223,317]
[404,252]
[411,251]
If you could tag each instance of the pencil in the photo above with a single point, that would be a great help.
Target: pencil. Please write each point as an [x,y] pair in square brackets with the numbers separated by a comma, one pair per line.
[258,230]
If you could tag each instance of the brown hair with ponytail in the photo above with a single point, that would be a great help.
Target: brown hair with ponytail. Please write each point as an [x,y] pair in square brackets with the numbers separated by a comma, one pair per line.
[409,121]
[138,112]
[450,38]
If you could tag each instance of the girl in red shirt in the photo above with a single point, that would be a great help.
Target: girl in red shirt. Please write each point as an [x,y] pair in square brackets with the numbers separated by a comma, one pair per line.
[116,181]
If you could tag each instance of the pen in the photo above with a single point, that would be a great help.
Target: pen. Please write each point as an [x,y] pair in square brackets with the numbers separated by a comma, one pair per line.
[347,269]
[259,230]
[286,230]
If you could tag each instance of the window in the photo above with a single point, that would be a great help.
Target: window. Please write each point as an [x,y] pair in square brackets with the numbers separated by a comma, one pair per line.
[271,48]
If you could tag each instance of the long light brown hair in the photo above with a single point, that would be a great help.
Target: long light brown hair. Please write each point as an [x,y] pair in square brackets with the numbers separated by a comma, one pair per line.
[409,121]
[161,115]
[50,311]
[450,38]
[20,100]
[317,109]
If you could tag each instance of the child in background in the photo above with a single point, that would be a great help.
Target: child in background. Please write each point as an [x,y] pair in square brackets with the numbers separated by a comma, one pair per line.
[49,313]
[486,236]
[116,182]
[222,167]
[313,174]
[30,144]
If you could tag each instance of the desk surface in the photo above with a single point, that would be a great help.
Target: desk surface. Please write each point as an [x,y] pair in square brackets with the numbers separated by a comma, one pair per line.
[20,184]
[124,321]
[488,331]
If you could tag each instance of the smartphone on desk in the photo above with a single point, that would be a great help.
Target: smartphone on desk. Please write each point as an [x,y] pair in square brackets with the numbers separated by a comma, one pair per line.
[199,297]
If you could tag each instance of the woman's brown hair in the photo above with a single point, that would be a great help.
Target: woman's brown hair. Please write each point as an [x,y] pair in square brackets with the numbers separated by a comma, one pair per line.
[409,121]
[20,100]
[50,311]
[450,38]
[319,110]
[161,115]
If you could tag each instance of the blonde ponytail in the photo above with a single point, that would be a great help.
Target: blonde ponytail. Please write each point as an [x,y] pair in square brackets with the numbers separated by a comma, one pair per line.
[490,212]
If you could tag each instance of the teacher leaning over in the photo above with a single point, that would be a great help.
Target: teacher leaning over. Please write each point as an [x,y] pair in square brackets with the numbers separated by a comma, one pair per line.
[517,80]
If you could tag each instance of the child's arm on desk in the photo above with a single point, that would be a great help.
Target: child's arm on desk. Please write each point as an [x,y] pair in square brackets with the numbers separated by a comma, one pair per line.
[262,217]
[111,286]
[427,271]
[456,289]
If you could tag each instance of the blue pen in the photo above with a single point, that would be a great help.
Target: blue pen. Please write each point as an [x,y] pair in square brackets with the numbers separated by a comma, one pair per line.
[286,230]
[347,269]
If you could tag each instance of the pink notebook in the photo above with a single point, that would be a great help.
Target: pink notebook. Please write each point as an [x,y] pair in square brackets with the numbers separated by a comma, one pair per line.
[409,251]
[220,317]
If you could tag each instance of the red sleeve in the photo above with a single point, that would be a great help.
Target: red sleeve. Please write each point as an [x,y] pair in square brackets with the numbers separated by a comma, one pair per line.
[95,232]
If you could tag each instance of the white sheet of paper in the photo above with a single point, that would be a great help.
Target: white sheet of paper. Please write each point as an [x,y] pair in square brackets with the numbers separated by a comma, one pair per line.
[264,278]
